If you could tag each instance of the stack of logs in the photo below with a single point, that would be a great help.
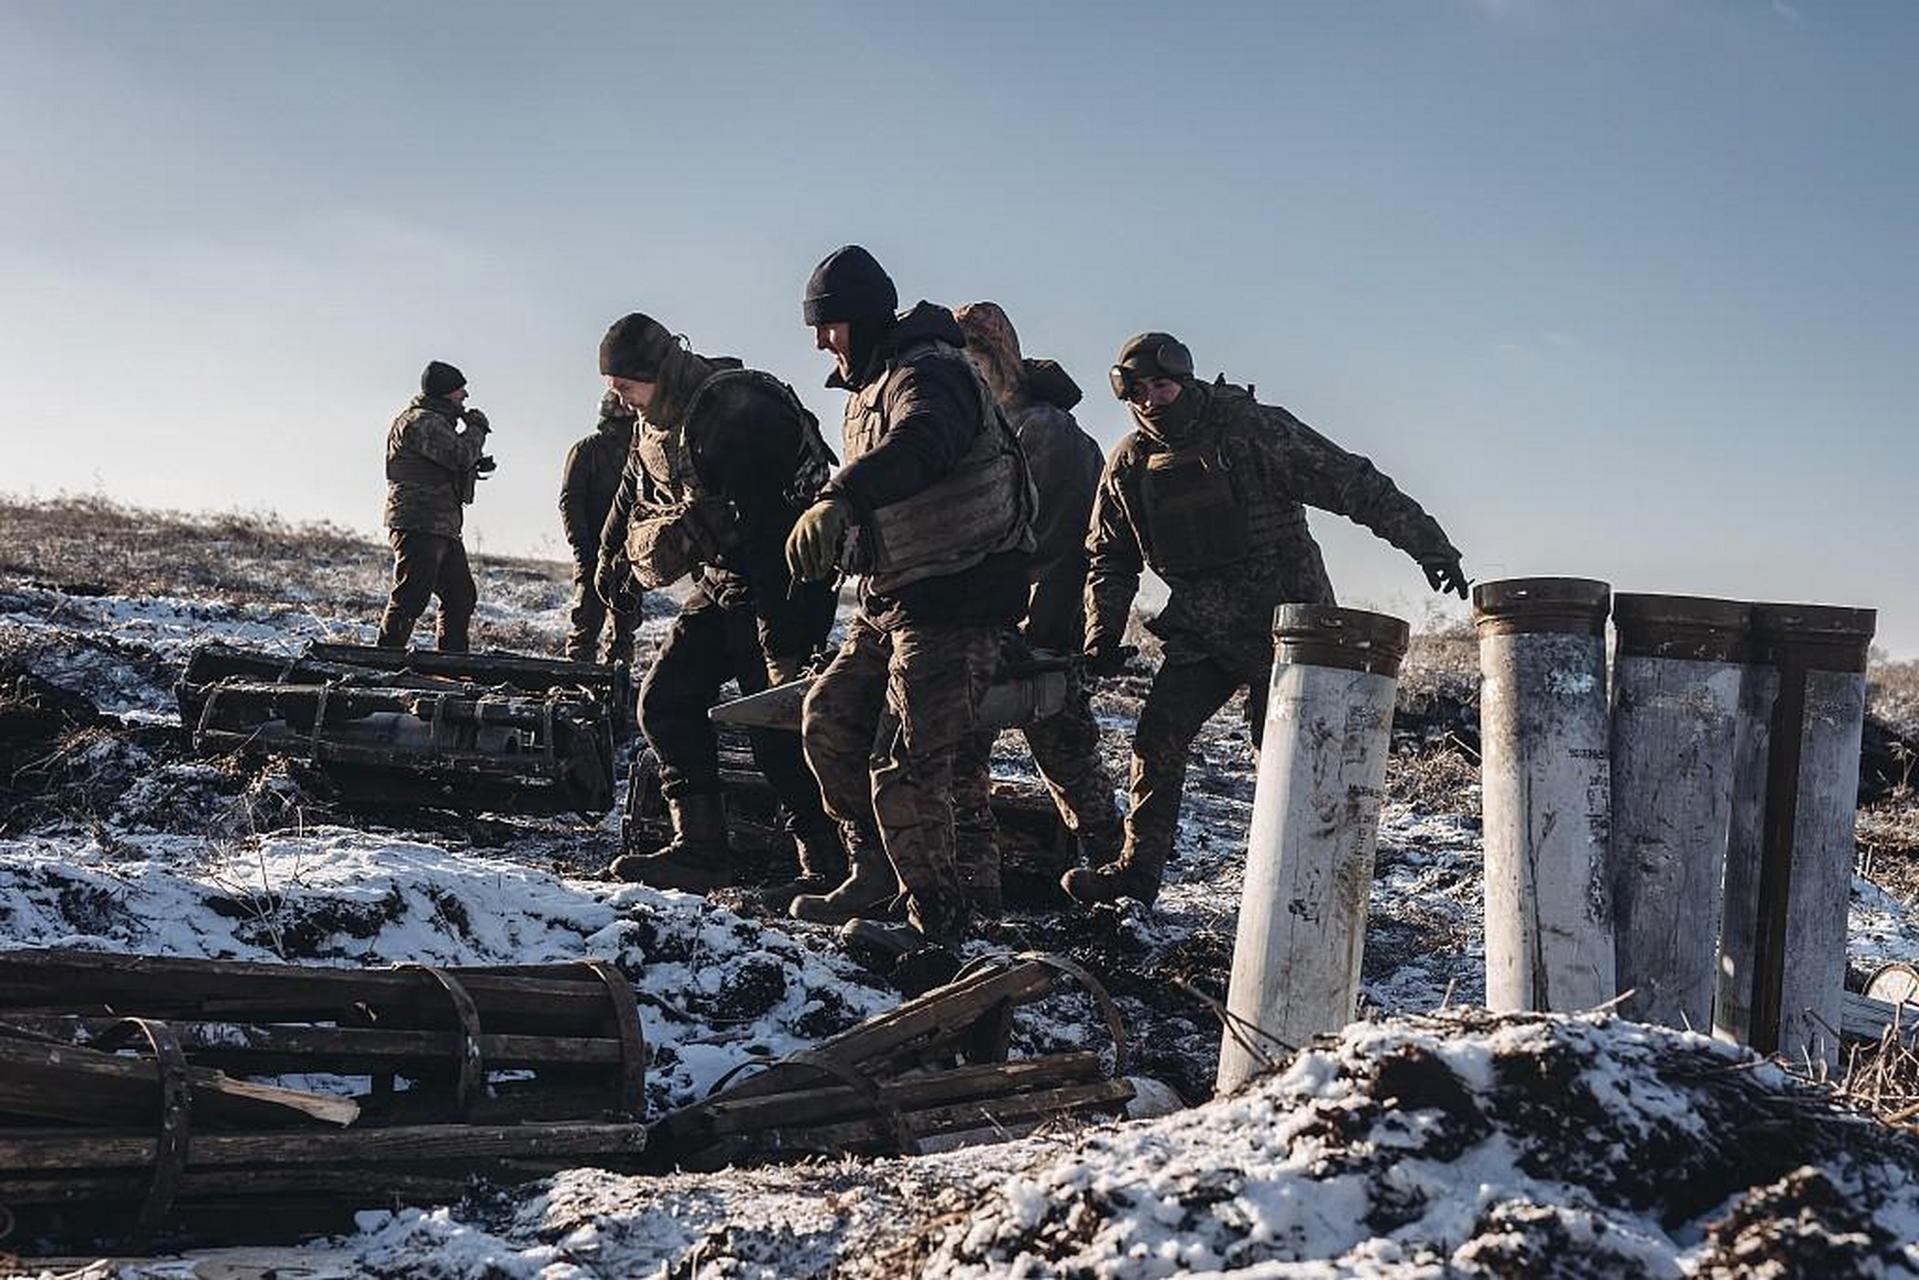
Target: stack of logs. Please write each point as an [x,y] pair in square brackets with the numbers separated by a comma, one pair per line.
[266,1100]
[934,1066]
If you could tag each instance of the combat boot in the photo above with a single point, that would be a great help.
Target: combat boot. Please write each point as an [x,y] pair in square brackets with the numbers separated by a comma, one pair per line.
[1121,878]
[822,857]
[900,953]
[697,860]
[871,885]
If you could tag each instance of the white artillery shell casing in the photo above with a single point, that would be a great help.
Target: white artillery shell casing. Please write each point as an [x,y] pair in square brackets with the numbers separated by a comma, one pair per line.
[1545,733]
[1309,858]
[1675,705]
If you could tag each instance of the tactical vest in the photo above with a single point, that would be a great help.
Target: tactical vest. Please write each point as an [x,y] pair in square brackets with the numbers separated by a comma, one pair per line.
[984,506]
[1220,499]
[682,530]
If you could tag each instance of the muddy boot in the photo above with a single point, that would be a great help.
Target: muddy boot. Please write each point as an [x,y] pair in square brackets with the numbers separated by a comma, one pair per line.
[696,861]
[871,885]
[822,862]
[1120,878]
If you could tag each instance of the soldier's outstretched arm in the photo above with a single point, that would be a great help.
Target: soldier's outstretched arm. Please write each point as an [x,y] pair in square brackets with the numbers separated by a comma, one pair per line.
[1114,564]
[620,514]
[1326,476]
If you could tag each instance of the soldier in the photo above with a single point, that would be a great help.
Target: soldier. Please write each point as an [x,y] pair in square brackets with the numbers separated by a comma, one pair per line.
[587,488]
[1037,397]
[434,454]
[933,509]
[723,459]
[1210,490]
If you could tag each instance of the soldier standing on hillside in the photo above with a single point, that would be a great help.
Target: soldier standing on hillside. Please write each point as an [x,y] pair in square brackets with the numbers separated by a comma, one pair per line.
[933,510]
[434,454]
[587,488]
[1037,397]
[724,459]
[1210,490]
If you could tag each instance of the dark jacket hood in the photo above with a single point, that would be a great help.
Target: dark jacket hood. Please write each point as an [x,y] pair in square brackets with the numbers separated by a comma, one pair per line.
[1048,382]
[925,322]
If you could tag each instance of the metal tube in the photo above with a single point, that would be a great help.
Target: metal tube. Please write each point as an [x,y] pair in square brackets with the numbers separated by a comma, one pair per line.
[1805,874]
[1309,856]
[1547,792]
[1675,695]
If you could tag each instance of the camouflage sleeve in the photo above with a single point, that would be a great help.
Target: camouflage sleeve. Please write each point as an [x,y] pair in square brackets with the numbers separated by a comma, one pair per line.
[1323,475]
[1114,558]
[433,438]
[575,502]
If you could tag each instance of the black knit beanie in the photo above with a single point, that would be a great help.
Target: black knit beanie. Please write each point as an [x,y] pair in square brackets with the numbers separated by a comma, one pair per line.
[635,347]
[849,285]
[441,379]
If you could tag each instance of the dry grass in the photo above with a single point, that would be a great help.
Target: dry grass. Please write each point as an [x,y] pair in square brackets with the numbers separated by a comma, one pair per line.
[1892,695]
[91,545]
[1882,1079]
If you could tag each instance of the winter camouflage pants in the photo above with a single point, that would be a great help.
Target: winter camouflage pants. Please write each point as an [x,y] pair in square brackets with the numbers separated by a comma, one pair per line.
[881,727]
[1065,749]
[589,637]
[427,565]
[1185,693]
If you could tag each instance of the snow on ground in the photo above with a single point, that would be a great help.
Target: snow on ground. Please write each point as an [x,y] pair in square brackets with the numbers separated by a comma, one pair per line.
[1460,1145]
[1415,1146]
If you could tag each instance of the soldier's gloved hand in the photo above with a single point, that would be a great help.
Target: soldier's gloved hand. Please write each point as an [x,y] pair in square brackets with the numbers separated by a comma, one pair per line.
[813,548]
[1444,573]
[608,581]
[785,668]
[1109,658]
[484,467]
[475,421]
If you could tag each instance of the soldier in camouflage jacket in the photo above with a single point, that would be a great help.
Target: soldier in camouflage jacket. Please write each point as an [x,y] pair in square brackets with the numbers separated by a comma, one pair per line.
[1210,491]
[434,454]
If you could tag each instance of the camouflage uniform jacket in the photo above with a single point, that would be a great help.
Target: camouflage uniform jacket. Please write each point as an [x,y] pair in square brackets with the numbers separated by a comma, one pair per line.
[1220,516]
[590,482]
[429,467]
[750,450]
[1065,463]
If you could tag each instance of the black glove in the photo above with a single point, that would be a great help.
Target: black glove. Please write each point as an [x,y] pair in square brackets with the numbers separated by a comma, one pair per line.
[1109,659]
[484,467]
[1443,574]
[475,421]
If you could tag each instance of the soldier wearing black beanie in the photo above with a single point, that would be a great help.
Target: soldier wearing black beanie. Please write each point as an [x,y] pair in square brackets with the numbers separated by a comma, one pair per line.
[441,379]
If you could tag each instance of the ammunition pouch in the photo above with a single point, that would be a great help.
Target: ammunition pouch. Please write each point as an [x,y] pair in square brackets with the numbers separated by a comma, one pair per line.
[1194,518]
[666,547]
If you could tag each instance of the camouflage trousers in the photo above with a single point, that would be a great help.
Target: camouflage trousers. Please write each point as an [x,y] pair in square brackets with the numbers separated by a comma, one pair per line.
[427,565]
[881,727]
[596,633]
[1065,749]
[1185,693]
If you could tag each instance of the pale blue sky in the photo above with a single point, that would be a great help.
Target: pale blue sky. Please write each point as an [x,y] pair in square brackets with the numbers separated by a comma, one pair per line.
[1621,288]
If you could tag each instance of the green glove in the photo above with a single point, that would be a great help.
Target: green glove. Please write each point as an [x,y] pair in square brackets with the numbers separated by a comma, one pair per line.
[813,548]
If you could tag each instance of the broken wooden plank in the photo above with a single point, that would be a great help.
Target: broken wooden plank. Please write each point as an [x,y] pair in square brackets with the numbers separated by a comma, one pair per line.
[23,1150]
[1868,1019]
[702,1122]
[895,1040]
[66,980]
[68,1082]
[267,1048]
